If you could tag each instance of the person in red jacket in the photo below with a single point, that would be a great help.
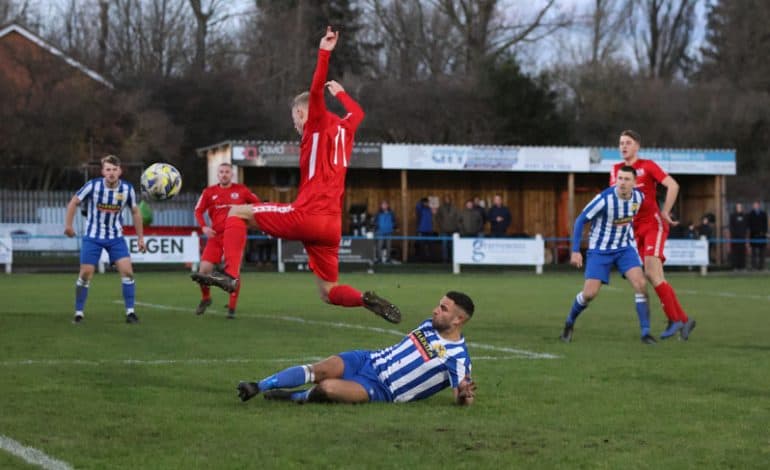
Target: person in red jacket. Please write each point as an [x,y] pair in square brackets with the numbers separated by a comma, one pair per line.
[651,227]
[315,217]
[216,200]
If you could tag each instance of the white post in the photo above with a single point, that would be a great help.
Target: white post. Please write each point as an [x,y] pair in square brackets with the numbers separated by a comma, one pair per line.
[101,267]
[281,266]
[539,267]
[704,268]
[455,264]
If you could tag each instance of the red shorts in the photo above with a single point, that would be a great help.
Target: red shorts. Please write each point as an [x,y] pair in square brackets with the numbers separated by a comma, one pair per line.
[320,234]
[651,237]
[214,249]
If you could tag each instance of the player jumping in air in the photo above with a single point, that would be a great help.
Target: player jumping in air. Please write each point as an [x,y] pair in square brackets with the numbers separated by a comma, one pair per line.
[314,218]
[430,358]
[651,227]
[611,243]
[217,200]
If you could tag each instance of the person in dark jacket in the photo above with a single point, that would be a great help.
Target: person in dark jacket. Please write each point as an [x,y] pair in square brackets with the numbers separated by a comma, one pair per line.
[758,235]
[471,222]
[738,232]
[384,226]
[424,218]
[499,217]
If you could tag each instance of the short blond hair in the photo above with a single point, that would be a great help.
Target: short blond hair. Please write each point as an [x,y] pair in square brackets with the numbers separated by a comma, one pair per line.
[301,100]
[111,159]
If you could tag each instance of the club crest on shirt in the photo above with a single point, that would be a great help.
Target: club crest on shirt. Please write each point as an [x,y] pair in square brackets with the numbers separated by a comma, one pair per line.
[439,348]
[214,197]
[234,195]
[634,207]
[119,197]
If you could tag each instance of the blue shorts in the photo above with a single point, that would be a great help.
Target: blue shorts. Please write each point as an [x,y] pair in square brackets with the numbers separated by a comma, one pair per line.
[91,250]
[358,368]
[600,263]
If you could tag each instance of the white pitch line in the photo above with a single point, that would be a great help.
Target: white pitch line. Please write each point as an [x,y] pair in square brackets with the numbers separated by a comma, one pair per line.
[706,293]
[153,362]
[31,455]
[521,352]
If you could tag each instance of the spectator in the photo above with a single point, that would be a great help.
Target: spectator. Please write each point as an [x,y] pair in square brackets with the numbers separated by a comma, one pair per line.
[471,222]
[424,216]
[448,221]
[499,217]
[384,226]
[758,235]
[738,230]
[480,206]
[705,229]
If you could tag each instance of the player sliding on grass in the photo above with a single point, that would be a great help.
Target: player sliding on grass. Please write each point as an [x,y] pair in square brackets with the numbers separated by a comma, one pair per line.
[651,226]
[314,218]
[430,358]
[611,243]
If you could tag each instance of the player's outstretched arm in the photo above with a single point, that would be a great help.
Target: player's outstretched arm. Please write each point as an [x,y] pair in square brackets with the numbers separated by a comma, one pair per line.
[465,391]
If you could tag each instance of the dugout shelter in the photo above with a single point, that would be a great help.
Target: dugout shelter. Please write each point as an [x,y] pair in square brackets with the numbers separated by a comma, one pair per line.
[544,187]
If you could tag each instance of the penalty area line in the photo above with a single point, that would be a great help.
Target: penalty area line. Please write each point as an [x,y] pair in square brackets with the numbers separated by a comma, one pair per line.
[519,352]
[31,455]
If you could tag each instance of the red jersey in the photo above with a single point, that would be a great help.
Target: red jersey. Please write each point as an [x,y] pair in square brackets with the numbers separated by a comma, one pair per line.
[217,201]
[326,146]
[648,176]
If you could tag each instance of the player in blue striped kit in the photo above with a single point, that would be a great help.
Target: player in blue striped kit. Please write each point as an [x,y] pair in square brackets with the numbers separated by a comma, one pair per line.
[611,243]
[430,358]
[105,199]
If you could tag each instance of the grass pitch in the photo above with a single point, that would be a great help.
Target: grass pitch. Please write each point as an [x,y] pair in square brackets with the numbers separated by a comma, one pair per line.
[161,394]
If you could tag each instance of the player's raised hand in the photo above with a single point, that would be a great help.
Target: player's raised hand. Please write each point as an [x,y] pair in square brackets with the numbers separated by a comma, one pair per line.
[576,259]
[329,40]
[334,87]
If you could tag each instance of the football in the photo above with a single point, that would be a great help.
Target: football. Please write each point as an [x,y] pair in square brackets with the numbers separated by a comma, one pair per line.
[161,181]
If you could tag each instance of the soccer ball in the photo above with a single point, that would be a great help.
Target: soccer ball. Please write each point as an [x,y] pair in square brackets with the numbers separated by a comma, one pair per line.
[161,181]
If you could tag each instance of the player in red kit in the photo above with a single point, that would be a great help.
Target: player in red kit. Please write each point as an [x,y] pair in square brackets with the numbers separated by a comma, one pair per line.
[217,201]
[315,217]
[651,227]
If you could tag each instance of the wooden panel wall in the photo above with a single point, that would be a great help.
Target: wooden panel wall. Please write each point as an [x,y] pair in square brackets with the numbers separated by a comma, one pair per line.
[537,201]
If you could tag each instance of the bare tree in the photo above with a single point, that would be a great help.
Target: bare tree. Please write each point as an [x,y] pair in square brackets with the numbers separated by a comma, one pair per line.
[488,31]
[663,33]
[205,18]
[418,40]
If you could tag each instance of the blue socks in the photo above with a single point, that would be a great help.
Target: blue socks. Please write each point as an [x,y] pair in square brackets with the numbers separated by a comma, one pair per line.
[288,378]
[578,306]
[643,312]
[81,294]
[129,290]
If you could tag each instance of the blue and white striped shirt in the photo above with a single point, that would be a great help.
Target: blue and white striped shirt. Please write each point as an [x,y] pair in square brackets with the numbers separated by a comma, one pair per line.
[612,217]
[105,205]
[422,364]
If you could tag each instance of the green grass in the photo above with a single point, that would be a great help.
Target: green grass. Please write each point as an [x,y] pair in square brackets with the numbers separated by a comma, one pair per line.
[607,401]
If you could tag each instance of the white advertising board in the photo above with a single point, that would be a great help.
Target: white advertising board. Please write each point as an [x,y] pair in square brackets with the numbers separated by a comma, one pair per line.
[499,251]
[6,252]
[162,249]
[686,252]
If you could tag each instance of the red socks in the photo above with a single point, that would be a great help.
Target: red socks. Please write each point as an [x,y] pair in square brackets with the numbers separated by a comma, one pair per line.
[346,296]
[205,292]
[234,242]
[670,303]
[233,301]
